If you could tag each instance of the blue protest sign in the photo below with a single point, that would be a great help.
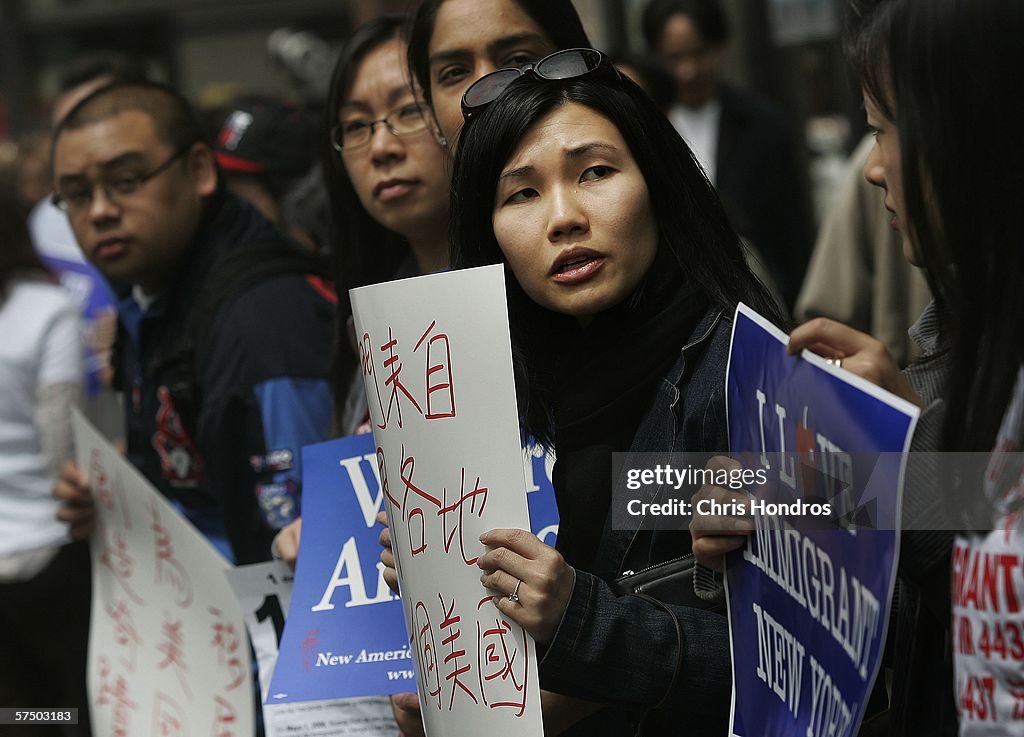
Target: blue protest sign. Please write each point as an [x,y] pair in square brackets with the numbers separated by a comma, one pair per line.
[345,634]
[93,297]
[809,595]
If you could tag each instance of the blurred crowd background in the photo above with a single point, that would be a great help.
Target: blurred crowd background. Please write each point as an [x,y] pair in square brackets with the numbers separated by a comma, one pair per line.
[217,51]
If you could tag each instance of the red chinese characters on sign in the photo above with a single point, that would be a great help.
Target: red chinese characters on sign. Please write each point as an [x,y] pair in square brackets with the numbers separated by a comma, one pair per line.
[490,669]
[502,668]
[453,520]
[455,655]
[172,647]
[114,693]
[426,654]
[226,642]
[125,633]
[416,498]
[438,376]
[437,399]
[224,718]
[169,570]
[115,557]
[416,522]
[168,718]
[107,490]
[393,364]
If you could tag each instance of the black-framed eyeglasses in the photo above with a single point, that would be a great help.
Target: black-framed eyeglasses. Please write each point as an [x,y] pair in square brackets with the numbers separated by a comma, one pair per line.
[78,198]
[402,121]
[565,64]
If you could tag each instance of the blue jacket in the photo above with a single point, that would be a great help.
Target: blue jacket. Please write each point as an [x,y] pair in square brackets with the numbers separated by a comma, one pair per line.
[632,651]
[229,457]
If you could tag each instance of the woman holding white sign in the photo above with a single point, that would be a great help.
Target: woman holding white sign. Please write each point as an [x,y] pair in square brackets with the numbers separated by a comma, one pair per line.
[44,579]
[625,271]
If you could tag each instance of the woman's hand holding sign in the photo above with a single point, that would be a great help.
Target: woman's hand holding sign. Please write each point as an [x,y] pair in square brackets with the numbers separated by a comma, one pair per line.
[857,352]
[533,580]
[716,530]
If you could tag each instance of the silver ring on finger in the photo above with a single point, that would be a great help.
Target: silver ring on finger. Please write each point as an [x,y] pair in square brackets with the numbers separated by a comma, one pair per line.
[514,596]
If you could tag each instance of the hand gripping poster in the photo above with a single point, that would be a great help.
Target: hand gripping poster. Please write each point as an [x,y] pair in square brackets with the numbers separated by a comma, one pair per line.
[809,595]
[436,363]
[168,653]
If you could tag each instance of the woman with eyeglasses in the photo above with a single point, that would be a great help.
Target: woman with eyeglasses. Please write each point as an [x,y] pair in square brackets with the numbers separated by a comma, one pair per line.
[401,230]
[623,274]
[387,180]
[392,217]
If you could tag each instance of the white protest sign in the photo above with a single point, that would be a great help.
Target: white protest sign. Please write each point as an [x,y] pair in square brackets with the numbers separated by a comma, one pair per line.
[167,648]
[264,591]
[436,362]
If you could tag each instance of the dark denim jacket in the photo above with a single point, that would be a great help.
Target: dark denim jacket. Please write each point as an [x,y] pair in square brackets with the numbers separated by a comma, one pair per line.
[632,652]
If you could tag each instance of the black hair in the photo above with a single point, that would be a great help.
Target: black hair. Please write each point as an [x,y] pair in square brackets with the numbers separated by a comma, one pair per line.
[959,117]
[694,231]
[558,19]
[866,36]
[707,15]
[365,252]
[117,65]
[17,255]
[174,120]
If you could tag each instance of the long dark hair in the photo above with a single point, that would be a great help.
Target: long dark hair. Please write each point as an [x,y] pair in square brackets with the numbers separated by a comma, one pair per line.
[365,252]
[693,227]
[959,119]
[17,255]
[963,168]
[557,18]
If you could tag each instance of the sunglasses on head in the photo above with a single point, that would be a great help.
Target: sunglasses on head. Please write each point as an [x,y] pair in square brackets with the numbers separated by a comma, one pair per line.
[566,64]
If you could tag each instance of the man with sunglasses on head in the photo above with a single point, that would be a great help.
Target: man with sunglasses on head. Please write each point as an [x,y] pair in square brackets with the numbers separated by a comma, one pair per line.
[224,329]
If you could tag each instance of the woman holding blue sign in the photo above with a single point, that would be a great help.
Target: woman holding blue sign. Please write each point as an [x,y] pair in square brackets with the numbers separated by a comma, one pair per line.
[947,149]
[624,271]
[954,153]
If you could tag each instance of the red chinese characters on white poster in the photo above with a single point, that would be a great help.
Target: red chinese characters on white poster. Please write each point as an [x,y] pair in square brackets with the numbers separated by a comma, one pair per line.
[436,363]
[167,648]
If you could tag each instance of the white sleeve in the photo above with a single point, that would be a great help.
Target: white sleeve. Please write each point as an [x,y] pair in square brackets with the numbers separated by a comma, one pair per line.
[59,386]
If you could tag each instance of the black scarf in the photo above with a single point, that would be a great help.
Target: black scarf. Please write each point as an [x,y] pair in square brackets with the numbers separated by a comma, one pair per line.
[606,376]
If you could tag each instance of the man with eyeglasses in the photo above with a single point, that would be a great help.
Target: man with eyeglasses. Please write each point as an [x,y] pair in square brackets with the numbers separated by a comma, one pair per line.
[223,360]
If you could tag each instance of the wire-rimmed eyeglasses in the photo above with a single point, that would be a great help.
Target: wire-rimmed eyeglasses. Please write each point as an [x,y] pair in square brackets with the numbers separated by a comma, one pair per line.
[76,198]
[402,121]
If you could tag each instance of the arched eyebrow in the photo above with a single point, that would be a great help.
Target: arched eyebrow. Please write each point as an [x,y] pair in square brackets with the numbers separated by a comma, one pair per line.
[517,173]
[494,48]
[577,152]
[588,148]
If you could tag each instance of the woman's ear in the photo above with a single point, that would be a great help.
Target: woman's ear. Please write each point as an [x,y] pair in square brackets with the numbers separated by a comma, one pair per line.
[442,141]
